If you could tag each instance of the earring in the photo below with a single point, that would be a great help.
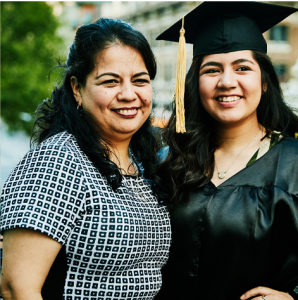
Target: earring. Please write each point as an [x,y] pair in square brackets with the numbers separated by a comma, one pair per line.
[264,91]
[79,110]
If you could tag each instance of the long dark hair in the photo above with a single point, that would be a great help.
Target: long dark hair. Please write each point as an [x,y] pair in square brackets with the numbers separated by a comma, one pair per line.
[61,114]
[190,162]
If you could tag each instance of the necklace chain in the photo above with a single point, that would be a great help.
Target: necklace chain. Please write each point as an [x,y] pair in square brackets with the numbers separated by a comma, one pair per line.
[131,164]
[133,189]
[222,175]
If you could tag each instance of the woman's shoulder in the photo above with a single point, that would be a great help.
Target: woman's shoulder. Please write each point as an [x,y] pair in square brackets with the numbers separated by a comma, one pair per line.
[62,140]
[287,149]
[60,144]
[279,147]
[289,143]
[58,153]
[48,183]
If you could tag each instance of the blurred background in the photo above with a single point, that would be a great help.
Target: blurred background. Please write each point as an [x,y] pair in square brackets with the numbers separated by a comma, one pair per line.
[35,35]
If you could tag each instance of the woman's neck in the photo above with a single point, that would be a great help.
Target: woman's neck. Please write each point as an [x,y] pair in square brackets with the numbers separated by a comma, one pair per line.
[235,147]
[234,136]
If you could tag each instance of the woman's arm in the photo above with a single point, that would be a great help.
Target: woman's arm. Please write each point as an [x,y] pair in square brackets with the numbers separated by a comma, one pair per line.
[27,258]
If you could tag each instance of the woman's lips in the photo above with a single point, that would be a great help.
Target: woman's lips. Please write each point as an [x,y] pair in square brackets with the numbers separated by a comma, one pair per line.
[126,113]
[228,101]
[228,98]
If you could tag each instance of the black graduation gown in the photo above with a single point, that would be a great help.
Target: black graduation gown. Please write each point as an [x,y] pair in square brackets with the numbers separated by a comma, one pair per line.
[239,235]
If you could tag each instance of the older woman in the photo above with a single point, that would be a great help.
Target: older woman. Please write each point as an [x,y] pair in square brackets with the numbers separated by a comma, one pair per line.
[79,217]
[231,180]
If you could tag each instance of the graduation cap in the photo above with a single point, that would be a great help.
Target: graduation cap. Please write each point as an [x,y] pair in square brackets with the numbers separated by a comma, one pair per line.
[221,27]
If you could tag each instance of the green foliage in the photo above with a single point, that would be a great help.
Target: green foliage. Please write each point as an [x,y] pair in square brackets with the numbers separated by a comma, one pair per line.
[29,46]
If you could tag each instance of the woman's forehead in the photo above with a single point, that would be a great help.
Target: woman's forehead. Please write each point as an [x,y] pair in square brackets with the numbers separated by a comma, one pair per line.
[229,57]
[119,57]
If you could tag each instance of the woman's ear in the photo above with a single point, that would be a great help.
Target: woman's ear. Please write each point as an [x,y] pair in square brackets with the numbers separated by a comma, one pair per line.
[76,90]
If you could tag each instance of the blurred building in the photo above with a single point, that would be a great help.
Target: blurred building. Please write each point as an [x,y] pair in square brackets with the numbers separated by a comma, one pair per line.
[153,17]
[282,41]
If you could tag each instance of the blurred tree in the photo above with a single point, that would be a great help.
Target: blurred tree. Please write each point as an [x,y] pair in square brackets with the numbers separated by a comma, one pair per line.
[29,45]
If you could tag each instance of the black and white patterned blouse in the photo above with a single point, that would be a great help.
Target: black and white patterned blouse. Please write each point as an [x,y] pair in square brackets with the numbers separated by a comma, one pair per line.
[116,242]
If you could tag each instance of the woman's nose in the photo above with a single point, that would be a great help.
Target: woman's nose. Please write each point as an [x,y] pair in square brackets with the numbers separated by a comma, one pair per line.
[227,80]
[127,92]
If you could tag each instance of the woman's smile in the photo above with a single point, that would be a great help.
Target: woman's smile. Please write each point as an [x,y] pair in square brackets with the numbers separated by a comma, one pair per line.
[127,112]
[228,101]
[228,98]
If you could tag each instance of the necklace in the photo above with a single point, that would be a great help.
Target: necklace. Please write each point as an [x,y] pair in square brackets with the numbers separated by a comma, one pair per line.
[131,183]
[222,175]
[132,166]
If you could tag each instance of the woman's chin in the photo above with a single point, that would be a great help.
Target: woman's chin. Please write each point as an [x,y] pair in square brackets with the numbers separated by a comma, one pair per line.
[229,120]
[234,118]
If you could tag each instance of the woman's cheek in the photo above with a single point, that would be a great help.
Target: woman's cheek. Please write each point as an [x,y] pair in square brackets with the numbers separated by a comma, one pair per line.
[147,101]
[147,98]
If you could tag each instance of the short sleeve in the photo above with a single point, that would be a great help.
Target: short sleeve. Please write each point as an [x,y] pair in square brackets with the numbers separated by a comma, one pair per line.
[45,192]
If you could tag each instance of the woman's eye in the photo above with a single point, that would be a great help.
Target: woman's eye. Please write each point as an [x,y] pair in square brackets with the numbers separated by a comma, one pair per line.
[243,69]
[110,81]
[212,71]
[142,81]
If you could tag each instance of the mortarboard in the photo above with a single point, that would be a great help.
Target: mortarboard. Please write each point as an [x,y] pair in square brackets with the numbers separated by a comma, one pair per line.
[221,27]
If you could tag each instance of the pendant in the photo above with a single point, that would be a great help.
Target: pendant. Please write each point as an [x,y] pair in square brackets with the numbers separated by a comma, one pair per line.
[221,175]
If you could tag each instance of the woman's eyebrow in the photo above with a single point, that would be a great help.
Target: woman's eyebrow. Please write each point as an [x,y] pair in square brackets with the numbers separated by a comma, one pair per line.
[237,61]
[140,74]
[117,76]
[242,60]
[109,74]
[211,63]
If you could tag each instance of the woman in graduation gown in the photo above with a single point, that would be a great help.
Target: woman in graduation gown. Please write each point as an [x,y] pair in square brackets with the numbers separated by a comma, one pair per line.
[231,180]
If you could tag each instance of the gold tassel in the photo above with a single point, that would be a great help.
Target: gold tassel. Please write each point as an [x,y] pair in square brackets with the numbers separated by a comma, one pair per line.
[180,82]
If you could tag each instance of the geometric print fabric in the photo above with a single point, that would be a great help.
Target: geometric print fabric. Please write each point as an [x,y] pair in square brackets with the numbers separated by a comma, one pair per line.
[116,242]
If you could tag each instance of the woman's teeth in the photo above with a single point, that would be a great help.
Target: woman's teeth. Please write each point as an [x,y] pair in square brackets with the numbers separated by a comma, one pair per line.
[126,111]
[228,99]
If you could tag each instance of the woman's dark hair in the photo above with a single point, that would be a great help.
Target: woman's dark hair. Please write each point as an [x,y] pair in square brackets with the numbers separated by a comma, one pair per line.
[61,114]
[190,162]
